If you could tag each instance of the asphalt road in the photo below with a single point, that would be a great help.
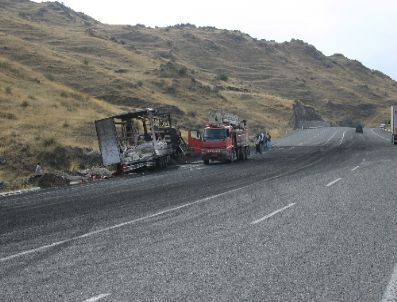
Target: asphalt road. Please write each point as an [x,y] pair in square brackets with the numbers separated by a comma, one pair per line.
[315,219]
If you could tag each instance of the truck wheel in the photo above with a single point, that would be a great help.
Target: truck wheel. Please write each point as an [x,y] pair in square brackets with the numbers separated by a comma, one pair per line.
[246,152]
[232,157]
[165,164]
[206,161]
[160,163]
[240,154]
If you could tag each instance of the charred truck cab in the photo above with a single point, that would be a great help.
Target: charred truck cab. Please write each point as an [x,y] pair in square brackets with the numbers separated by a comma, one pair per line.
[224,138]
[136,139]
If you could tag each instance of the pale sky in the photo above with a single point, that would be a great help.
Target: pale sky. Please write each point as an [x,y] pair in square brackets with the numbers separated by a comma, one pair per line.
[365,30]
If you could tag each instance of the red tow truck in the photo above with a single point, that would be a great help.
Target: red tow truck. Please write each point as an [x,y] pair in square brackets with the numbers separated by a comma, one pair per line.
[224,138]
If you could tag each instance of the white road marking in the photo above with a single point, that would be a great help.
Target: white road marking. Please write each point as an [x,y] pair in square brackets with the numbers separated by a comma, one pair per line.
[333,182]
[355,168]
[27,252]
[343,136]
[96,298]
[331,137]
[390,294]
[273,213]
[20,191]
[386,139]
[44,247]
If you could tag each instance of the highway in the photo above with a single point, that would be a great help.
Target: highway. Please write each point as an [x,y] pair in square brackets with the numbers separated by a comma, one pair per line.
[314,219]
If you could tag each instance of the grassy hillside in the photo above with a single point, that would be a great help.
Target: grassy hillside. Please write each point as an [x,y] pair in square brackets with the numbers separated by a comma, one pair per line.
[40,120]
[342,90]
[61,70]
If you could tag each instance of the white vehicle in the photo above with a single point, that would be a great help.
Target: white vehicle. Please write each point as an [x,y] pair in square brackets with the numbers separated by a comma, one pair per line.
[393,124]
[382,126]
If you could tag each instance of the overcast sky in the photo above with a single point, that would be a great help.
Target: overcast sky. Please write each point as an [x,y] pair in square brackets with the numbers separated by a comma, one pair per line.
[365,30]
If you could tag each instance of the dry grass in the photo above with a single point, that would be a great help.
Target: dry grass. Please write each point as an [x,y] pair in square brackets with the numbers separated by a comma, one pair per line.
[59,71]
[38,124]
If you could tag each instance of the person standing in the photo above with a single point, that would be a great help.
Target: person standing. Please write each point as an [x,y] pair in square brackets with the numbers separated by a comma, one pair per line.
[38,171]
[269,141]
[258,144]
[264,141]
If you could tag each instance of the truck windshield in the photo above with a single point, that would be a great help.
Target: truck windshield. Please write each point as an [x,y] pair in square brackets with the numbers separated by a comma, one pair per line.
[214,134]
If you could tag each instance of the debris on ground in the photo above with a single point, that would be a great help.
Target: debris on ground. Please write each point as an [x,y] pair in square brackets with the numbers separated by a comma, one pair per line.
[49,180]
[2,185]
[60,179]
[97,173]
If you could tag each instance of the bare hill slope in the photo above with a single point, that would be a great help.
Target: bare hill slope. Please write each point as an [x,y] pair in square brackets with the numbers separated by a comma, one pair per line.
[60,70]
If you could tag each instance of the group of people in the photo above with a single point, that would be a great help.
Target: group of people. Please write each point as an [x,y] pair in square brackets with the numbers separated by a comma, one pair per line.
[263,142]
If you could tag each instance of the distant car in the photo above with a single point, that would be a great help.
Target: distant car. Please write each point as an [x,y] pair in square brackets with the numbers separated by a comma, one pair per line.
[382,126]
[359,129]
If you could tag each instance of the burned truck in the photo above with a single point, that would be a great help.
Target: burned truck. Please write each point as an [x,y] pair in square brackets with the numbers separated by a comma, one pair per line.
[137,139]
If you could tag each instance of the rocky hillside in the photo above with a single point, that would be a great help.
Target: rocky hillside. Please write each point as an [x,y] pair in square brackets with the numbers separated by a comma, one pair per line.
[60,70]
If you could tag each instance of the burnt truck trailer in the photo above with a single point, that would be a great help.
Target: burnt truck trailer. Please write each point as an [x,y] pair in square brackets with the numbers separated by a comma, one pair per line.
[140,138]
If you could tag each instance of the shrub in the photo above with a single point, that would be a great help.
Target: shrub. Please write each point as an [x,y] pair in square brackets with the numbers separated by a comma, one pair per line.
[171,90]
[50,77]
[8,90]
[182,71]
[65,124]
[140,83]
[222,77]
[49,141]
[172,69]
[74,166]
[85,62]
[8,116]
[25,104]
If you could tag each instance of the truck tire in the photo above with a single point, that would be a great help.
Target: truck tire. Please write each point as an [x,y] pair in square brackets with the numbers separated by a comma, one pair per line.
[166,162]
[233,157]
[161,162]
[206,161]
[246,152]
[240,155]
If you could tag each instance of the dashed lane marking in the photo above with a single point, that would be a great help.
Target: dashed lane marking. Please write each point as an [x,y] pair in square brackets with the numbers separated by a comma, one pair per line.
[96,298]
[386,139]
[48,246]
[390,294]
[355,168]
[331,137]
[333,182]
[343,136]
[44,247]
[273,213]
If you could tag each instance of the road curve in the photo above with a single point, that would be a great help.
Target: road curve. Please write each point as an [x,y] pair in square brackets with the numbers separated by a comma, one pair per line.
[312,219]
